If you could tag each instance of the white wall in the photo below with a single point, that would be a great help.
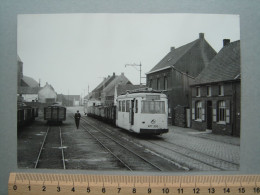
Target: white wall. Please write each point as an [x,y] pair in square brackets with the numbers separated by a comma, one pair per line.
[30,97]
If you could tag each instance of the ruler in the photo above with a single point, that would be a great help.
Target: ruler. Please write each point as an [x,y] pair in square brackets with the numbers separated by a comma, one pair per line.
[65,184]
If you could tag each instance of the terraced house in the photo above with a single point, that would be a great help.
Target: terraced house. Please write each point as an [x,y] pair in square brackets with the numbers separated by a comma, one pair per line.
[174,74]
[216,93]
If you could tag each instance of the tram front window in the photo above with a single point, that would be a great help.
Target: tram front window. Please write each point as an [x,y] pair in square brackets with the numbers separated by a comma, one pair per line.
[153,107]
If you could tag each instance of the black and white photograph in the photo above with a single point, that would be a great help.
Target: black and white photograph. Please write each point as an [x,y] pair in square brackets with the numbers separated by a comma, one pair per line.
[129,92]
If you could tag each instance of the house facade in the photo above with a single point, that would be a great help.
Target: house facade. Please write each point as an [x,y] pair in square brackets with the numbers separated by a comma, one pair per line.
[176,72]
[68,100]
[29,94]
[27,87]
[47,94]
[108,93]
[97,92]
[216,93]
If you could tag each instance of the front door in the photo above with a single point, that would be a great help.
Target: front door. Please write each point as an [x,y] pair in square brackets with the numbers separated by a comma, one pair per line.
[209,114]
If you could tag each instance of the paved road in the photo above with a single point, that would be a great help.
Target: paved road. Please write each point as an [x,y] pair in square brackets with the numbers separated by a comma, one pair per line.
[188,149]
[197,150]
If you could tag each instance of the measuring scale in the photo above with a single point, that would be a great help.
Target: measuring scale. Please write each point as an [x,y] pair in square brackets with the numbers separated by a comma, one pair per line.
[41,183]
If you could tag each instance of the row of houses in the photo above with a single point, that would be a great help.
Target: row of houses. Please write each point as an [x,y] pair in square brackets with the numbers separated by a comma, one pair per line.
[106,92]
[29,90]
[203,86]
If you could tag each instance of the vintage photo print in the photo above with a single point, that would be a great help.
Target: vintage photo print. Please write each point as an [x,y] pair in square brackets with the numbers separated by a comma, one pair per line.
[129,92]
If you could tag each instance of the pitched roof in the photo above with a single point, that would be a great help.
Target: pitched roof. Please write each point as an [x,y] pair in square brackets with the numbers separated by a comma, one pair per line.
[119,80]
[29,82]
[122,89]
[105,82]
[224,66]
[19,59]
[28,90]
[46,86]
[198,51]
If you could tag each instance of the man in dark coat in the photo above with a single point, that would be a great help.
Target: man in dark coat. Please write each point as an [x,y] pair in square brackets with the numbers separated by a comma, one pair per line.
[77,118]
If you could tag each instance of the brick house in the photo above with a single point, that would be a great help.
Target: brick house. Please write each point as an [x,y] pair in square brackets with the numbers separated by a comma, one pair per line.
[96,93]
[216,93]
[176,71]
[107,95]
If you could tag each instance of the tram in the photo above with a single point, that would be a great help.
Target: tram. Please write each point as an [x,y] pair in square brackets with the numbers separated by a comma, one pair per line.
[143,112]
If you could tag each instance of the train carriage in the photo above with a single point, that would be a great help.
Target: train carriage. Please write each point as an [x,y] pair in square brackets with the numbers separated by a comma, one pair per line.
[143,112]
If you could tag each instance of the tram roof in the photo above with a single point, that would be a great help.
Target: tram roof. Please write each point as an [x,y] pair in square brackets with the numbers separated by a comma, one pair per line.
[141,93]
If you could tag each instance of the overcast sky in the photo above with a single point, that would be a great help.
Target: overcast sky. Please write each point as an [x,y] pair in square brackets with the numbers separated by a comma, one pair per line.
[74,51]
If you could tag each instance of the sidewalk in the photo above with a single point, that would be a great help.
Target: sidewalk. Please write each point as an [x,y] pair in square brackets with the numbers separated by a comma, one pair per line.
[205,134]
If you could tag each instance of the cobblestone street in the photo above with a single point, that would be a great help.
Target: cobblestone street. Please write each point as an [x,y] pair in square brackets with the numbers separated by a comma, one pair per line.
[192,145]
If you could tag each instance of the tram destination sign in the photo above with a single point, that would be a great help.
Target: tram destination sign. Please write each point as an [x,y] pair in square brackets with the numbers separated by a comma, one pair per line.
[152,97]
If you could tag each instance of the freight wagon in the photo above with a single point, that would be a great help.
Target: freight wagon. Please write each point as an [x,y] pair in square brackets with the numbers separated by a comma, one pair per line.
[26,114]
[55,114]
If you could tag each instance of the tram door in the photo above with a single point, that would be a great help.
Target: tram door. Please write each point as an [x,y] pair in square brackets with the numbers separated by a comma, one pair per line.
[132,112]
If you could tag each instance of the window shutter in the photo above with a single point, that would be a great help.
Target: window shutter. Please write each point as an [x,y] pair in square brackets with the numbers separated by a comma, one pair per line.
[227,111]
[203,114]
[203,110]
[214,115]
[193,110]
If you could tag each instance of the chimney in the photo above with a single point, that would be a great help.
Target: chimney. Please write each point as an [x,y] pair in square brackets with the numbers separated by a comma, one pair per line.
[226,42]
[122,74]
[201,35]
[172,48]
[114,74]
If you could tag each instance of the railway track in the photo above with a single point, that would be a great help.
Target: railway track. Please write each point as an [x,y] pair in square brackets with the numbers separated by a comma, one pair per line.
[190,155]
[132,161]
[51,154]
[141,157]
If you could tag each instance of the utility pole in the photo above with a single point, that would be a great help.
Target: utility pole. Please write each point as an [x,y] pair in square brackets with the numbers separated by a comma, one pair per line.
[140,70]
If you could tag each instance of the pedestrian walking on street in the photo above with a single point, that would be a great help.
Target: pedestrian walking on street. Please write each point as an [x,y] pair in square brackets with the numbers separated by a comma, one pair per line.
[77,118]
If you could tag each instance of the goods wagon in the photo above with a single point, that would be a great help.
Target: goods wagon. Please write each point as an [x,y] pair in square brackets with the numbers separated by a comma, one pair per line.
[55,114]
[26,114]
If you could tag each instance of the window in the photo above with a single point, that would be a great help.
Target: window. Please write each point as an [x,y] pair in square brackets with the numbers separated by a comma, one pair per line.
[165,83]
[152,107]
[221,111]
[120,106]
[198,111]
[151,83]
[123,106]
[127,105]
[198,91]
[158,83]
[136,106]
[221,90]
[208,90]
